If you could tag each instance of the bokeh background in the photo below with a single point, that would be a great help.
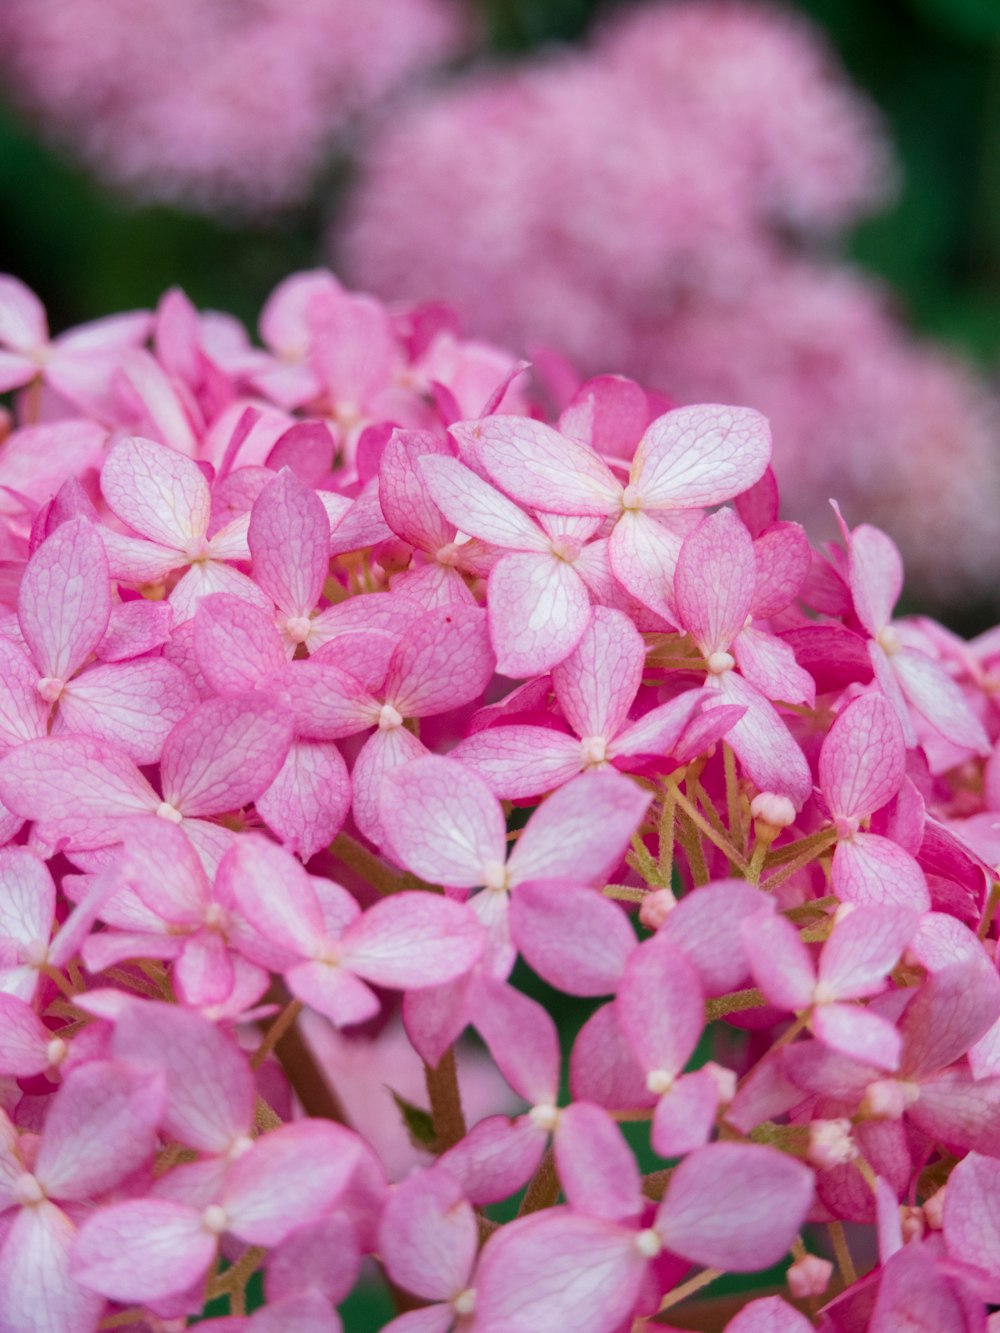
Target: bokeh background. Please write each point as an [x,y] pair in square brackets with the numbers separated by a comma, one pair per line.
[795,206]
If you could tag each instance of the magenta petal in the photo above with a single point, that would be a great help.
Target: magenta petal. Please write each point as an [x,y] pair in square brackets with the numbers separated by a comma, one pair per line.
[950,1011]
[574,938]
[558,1271]
[520,761]
[603,1068]
[224,753]
[64,601]
[864,948]
[133,705]
[143,1250]
[706,924]
[597,1170]
[685,1116]
[444,661]
[735,1206]
[307,803]
[289,540]
[701,455]
[236,643]
[428,1236]
[522,1039]
[782,965]
[596,684]
[334,992]
[497,1157]
[24,1039]
[762,742]
[714,581]
[915,1292]
[413,940]
[971,1224]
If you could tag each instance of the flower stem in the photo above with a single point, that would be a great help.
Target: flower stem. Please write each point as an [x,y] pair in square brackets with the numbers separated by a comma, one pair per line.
[446,1100]
[543,1188]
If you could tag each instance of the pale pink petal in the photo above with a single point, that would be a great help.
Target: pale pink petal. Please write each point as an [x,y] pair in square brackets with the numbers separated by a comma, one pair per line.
[428,1236]
[308,1312]
[283,320]
[444,661]
[203,974]
[23,325]
[24,1039]
[230,542]
[971,1220]
[859,1033]
[540,467]
[519,761]
[685,1116]
[236,643]
[700,455]
[782,965]
[290,918]
[352,347]
[210,1090]
[770,1315]
[143,1250]
[133,705]
[567,821]
[135,628]
[100,1128]
[939,700]
[162,868]
[16,371]
[429,1319]
[326,702]
[477,508]
[864,948]
[404,496]
[522,1039]
[148,390]
[769,664]
[538,609]
[39,1292]
[207,577]
[706,926]
[557,1271]
[157,491]
[871,870]
[863,760]
[381,755]
[136,561]
[596,684]
[325,1252]
[23,711]
[660,1006]
[575,939]
[644,553]
[597,1169]
[783,557]
[224,754]
[441,821]
[27,896]
[659,730]
[762,742]
[876,577]
[951,1010]
[362,525]
[735,1206]
[334,992]
[495,1158]
[958,1109]
[289,539]
[412,940]
[307,803]
[714,581]
[64,601]
[290,1176]
[66,780]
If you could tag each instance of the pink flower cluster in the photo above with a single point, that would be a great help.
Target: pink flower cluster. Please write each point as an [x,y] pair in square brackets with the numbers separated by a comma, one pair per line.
[220,104]
[336,680]
[653,205]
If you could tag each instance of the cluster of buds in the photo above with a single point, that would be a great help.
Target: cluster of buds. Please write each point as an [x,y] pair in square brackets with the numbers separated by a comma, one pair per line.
[344,699]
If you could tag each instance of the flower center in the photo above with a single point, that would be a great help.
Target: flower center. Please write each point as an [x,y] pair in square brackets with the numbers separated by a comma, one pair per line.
[169,812]
[545,1116]
[388,718]
[214,1219]
[719,663]
[495,876]
[297,628]
[648,1243]
[659,1081]
[566,548]
[27,1190]
[593,750]
[631,498]
[465,1301]
[50,688]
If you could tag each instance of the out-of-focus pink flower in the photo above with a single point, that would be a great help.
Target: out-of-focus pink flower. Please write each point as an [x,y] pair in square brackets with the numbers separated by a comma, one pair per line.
[216,105]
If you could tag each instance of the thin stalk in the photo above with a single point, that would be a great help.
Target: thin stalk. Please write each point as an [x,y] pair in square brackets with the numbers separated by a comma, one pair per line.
[734,806]
[275,1032]
[686,1289]
[446,1101]
[624,893]
[714,836]
[301,1069]
[543,1188]
[791,850]
[665,834]
[736,1002]
[641,861]
[845,1263]
[990,909]
[368,866]
[791,867]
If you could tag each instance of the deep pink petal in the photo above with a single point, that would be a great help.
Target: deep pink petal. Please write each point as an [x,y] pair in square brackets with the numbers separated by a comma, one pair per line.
[603,1068]
[783,557]
[873,871]
[596,684]
[863,760]
[404,496]
[477,508]
[236,643]
[540,467]
[762,742]
[596,1167]
[952,1009]
[307,803]
[497,1157]
[685,1116]
[864,948]
[413,940]
[522,1039]
[770,1315]
[782,965]
[519,761]
[859,1033]
[706,926]
[134,705]
[443,662]
[769,664]
[143,1250]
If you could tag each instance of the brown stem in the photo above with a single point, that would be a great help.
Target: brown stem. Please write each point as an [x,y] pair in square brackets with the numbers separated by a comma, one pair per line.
[736,1002]
[368,866]
[446,1101]
[543,1188]
[301,1069]
[275,1032]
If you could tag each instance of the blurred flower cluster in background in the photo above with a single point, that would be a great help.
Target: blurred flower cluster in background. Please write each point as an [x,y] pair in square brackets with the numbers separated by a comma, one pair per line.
[788,207]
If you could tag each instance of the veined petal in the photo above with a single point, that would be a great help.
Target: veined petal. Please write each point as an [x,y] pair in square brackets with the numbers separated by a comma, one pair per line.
[412,940]
[39,1292]
[644,555]
[868,869]
[538,609]
[714,581]
[224,754]
[428,1236]
[307,803]
[519,761]
[700,455]
[143,1250]
[540,467]
[596,684]
[158,492]
[477,508]
[289,539]
[863,760]
[64,601]
[133,705]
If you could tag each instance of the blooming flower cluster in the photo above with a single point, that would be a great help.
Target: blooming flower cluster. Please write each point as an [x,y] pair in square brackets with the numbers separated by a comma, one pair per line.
[691,249]
[219,104]
[339,684]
